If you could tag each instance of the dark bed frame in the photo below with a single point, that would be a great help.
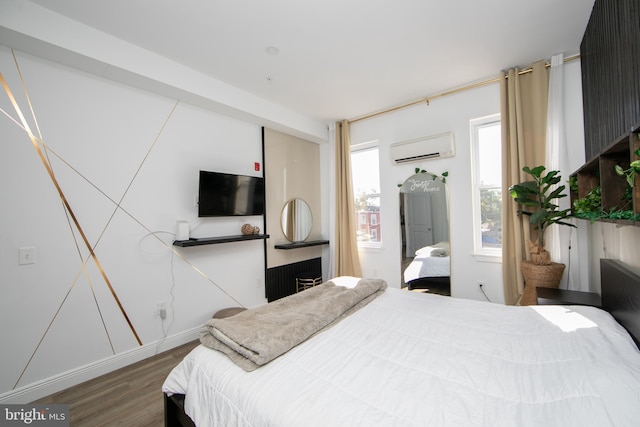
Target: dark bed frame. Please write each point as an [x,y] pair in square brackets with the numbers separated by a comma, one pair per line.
[620,297]
[174,415]
[440,284]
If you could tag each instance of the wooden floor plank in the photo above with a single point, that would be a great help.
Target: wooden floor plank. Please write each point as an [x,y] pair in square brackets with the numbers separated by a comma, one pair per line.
[131,396]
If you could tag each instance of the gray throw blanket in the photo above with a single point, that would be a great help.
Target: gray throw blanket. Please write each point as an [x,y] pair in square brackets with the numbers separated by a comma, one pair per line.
[256,336]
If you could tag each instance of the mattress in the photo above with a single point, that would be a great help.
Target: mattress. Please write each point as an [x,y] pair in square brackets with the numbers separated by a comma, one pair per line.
[413,359]
[426,265]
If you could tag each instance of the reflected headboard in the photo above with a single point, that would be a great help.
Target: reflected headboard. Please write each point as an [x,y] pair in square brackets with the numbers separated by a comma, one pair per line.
[621,295]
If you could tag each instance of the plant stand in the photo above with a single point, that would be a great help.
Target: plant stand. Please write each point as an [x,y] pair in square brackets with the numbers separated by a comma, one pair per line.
[544,276]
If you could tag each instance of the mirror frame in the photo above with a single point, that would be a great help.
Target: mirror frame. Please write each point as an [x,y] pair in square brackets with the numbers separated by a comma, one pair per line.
[296,234]
[419,182]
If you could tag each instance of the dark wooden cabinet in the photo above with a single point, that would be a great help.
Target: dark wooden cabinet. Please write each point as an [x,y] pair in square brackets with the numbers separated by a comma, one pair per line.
[611,102]
[609,53]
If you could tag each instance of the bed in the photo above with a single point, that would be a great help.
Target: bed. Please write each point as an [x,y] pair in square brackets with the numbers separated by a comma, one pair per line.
[410,359]
[429,268]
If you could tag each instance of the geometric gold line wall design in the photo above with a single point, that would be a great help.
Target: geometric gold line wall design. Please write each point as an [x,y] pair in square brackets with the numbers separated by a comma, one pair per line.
[38,144]
[118,204]
[43,152]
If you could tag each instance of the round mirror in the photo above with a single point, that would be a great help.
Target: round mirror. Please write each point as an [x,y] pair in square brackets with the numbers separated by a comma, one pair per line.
[296,220]
[424,224]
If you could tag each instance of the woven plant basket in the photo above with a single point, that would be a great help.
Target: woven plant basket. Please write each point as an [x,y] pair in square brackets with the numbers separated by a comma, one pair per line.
[544,276]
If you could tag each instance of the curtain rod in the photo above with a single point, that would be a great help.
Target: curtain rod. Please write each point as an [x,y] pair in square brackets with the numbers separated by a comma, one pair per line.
[451,92]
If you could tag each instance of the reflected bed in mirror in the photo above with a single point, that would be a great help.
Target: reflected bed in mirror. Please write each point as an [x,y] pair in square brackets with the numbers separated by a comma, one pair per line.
[424,223]
[296,220]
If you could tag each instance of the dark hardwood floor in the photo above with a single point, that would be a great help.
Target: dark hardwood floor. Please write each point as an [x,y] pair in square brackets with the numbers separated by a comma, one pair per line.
[131,396]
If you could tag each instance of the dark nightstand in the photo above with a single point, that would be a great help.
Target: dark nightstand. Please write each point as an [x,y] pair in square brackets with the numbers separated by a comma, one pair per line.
[553,296]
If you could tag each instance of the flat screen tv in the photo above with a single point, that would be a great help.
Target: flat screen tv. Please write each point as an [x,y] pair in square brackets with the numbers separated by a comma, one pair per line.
[224,194]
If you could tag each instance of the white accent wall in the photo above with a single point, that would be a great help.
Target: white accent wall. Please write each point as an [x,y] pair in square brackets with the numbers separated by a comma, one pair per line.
[126,162]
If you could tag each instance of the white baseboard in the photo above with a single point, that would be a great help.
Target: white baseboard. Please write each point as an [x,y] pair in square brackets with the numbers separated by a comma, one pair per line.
[43,388]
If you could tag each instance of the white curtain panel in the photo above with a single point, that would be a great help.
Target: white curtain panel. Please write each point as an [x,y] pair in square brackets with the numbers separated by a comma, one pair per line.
[555,154]
[560,239]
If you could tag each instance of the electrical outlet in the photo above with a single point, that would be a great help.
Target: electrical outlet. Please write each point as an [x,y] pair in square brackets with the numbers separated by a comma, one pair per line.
[161,310]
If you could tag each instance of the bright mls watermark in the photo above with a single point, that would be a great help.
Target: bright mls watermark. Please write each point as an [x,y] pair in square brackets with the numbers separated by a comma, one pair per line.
[34,415]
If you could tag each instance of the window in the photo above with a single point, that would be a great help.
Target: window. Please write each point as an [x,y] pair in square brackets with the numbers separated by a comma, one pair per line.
[365,176]
[487,184]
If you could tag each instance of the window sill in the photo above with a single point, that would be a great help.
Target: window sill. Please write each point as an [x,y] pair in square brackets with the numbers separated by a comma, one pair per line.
[371,247]
[485,257]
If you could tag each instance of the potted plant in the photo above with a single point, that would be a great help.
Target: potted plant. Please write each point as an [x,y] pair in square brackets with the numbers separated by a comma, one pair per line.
[588,207]
[537,199]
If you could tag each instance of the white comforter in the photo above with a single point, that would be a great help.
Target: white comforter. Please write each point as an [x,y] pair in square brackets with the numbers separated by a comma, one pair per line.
[410,359]
[429,261]
[427,266]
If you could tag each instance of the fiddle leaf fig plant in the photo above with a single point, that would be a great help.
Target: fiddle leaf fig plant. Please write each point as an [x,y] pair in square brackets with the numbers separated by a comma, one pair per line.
[538,200]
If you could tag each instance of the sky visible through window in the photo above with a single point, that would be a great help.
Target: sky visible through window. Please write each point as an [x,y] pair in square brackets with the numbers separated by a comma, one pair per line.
[365,171]
[490,164]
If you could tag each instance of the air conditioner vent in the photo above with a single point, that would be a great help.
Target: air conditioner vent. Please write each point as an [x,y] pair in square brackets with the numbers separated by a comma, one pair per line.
[416,158]
[441,145]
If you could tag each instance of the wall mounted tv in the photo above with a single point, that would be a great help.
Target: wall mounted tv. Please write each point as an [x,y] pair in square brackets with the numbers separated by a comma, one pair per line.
[224,194]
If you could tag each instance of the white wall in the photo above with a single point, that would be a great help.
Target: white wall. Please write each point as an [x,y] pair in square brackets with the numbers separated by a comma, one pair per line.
[110,144]
[449,113]
[611,241]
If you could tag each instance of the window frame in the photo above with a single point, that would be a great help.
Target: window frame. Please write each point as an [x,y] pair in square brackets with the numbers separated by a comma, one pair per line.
[491,254]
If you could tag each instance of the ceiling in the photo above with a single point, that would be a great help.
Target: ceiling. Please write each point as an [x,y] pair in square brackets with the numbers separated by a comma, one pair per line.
[341,59]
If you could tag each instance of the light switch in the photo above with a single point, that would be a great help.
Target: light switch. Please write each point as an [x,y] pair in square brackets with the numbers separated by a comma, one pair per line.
[27,256]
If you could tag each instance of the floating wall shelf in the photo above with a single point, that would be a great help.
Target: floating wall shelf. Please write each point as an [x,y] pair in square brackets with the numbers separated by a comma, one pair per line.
[302,244]
[600,171]
[216,240]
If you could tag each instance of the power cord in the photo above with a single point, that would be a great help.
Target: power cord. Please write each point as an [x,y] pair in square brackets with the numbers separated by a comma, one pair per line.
[163,311]
[483,292]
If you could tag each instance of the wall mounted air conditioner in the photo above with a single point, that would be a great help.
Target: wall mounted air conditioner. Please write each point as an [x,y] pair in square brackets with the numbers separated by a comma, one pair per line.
[430,147]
